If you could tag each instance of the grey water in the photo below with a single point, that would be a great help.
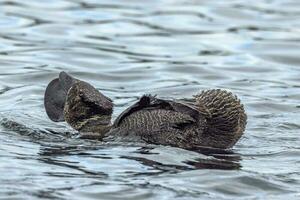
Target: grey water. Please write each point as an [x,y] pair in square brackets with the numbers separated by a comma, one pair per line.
[172,48]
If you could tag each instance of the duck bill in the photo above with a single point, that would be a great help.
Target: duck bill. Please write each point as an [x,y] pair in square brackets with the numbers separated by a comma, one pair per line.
[55,96]
[67,81]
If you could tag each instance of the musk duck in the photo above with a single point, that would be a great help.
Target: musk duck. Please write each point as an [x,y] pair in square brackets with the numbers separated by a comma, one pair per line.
[213,118]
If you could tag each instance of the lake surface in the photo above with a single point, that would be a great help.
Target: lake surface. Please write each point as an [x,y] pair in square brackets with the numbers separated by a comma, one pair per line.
[169,48]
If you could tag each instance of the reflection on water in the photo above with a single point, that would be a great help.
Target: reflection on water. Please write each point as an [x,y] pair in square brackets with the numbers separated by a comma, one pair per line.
[170,48]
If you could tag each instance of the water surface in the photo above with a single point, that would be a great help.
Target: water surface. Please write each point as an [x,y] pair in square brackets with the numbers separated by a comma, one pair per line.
[169,48]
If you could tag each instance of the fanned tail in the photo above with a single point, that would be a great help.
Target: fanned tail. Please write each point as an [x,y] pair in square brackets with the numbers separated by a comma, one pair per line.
[226,113]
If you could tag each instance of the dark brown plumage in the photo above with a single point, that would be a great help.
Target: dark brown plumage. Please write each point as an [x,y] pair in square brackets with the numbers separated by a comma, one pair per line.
[86,109]
[227,117]
[213,118]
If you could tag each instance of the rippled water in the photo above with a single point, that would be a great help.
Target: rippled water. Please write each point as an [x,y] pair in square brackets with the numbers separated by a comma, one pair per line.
[170,48]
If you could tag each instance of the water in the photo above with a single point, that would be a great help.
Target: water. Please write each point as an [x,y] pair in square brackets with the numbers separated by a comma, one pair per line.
[170,48]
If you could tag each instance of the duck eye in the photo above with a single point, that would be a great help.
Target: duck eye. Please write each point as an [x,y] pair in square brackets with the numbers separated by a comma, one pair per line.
[80,93]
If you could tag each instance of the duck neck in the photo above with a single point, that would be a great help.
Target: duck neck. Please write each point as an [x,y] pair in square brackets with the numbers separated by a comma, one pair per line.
[95,127]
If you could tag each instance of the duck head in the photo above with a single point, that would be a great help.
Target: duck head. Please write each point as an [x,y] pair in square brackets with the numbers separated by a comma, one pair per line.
[78,103]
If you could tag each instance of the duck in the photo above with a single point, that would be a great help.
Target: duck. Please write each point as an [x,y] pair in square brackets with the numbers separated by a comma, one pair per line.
[213,118]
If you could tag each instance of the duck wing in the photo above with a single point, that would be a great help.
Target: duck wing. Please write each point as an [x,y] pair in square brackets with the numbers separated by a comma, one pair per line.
[188,114]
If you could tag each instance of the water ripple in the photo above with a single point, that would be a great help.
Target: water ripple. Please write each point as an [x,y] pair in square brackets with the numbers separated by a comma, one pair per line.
[169,48]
